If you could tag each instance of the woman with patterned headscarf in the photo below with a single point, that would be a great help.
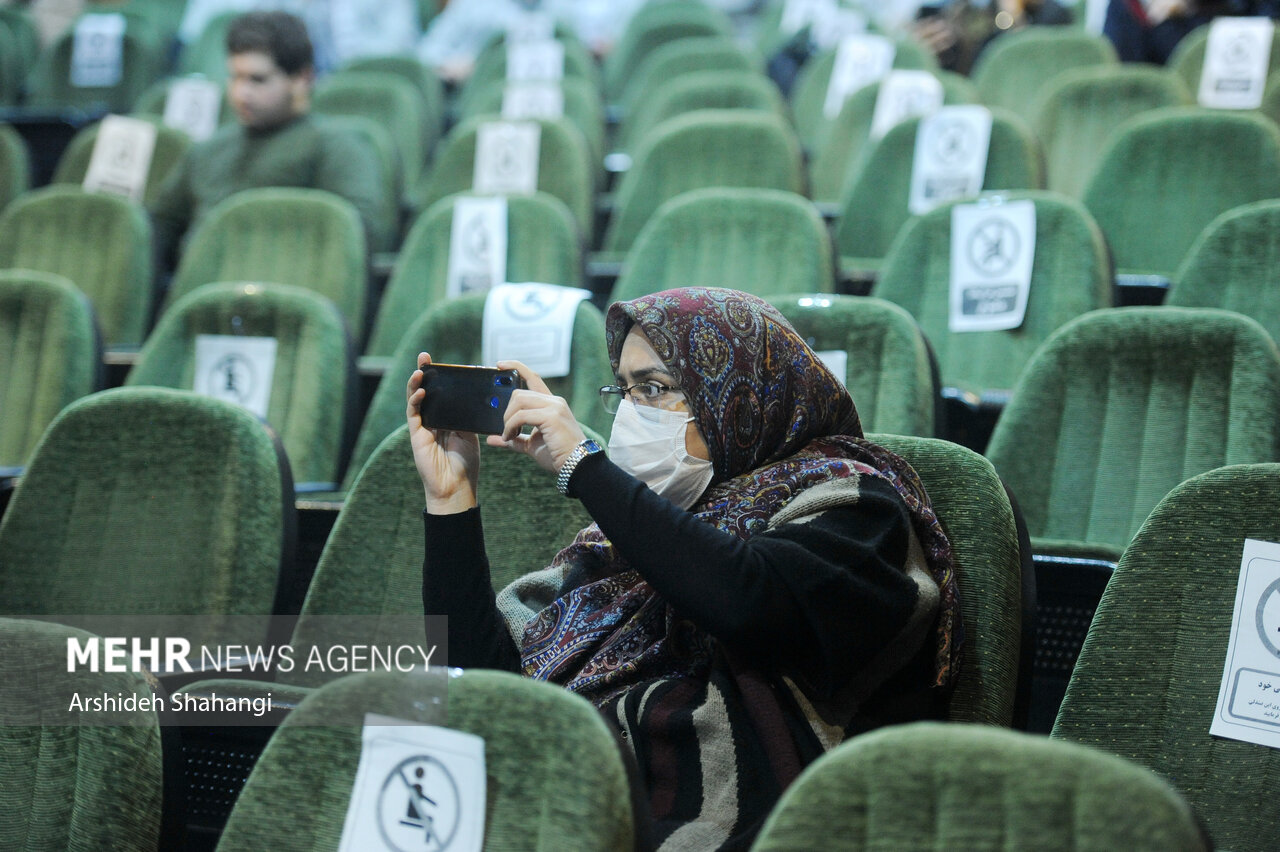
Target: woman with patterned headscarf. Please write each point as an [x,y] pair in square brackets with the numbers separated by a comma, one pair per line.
[760,581]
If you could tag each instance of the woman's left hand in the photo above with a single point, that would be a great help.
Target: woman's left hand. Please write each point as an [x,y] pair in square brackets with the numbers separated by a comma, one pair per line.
[555,430]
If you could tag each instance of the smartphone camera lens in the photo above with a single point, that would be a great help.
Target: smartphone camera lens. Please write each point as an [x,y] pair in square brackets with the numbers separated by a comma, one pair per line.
[494,402]
[505,381]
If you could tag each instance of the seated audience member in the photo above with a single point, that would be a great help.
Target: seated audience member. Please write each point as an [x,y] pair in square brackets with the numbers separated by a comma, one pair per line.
[1149,31]
[760,581]
[958,30]
[276,141]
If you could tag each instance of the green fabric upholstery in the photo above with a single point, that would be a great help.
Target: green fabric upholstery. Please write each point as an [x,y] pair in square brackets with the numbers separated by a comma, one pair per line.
[424,81]
[49,83]
[890,370]
[388,99]
[844,141]
[975,513]
[555,777]
[12,70]
[809,94]
[1071,275]
[653,25]
[147,501]
[1233,265]
[1121,405]
[565,169]
[706,147]
[102,243]
[312,385]
[15,165]
[1012,70]
[306,237]
[762,241]
[151,103]
[19,23]
[734,89]
[874,203]
[49,356]
[491,66]
[982,789]
[384,230]
[1187,59]
[64,786]
[1079,110]
[171,147]
[451,332]
[1163,179]
[542,245]
[581,106]
[1146,683]
[207,55]
[683,56]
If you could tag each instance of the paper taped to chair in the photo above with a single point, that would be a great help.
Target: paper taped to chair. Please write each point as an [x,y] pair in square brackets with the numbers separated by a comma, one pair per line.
[798,14]
[418,788]
[835,360]
[861,60]
[507,158]
[237,369]
[834,23]
[1236,61]
[1095,15]
[192,105]
[121,157]
[97,51]
[532,100]
[477,246]
[993,250]
[950,160]
[531,26]
[903,95]
[535,61]
[1248,706]
[531,323]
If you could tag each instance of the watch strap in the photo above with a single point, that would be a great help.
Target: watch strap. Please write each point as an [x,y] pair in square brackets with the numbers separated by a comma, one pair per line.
[586,447]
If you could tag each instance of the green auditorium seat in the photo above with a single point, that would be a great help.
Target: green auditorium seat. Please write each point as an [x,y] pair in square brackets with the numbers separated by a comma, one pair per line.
[207,55]
[389,100]
[151,103]
[1187,59]
[889,370]
[102,243]
[13,71]
[566,788]
[49,84]
[1146,684]
[305,237]
[15,165]
[1079,110]
[384,231]
[565,169]
[171,147]
[1071,275]
[703,148]
[978,788]
[1234,264]
[1164,177]
[20,24]
[50,355]
[88,780]
[581,106]
[491,65]
[149,502]
[685,56]
[874,203]
[1119,406]
[312,385]
[424,80]
[543,245]
[1012,71]
[653,25]
[763,241]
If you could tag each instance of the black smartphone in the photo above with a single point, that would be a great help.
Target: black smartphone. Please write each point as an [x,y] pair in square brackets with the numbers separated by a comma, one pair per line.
[466,399]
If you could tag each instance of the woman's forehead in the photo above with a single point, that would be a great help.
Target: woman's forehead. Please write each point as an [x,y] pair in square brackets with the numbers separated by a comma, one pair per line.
[638,353]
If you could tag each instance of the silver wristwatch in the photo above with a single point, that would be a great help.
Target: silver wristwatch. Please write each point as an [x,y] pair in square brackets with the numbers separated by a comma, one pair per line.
[586,447]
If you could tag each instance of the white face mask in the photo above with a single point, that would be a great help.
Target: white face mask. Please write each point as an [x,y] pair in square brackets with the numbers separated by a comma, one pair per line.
[650,446]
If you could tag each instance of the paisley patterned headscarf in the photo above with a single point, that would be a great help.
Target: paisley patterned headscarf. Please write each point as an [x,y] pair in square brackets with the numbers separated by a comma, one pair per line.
[776,421]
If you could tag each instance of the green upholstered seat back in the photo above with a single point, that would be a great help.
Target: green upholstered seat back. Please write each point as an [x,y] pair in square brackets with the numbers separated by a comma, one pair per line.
[983,789]
[1146,683]
[735,89]
[306,237]
[762,241]
[21,42]
[147,501]
[491,66]
[1233,265]
[543,244]
[582,106]
[67,785]
[451,332]
[555,778]
[387,98]
[890,371]
[311,386]
[426,84]
[975,513]
[674,59]
[384,229]
[1013,70]
[102,243]
[1071,275]
[1121,405]
[15,165]
[49,356]
[1079,110]
[1187,59]
[1164,178]
[706,147]
[652,26]
[874,203]
[207,55]
[171,147]
[49,83]
[151,103]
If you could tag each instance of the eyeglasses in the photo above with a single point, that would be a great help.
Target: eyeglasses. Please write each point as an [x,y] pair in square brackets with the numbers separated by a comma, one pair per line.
[646,393]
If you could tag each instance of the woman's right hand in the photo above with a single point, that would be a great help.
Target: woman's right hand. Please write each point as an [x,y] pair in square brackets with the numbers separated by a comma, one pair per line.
[448,462]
